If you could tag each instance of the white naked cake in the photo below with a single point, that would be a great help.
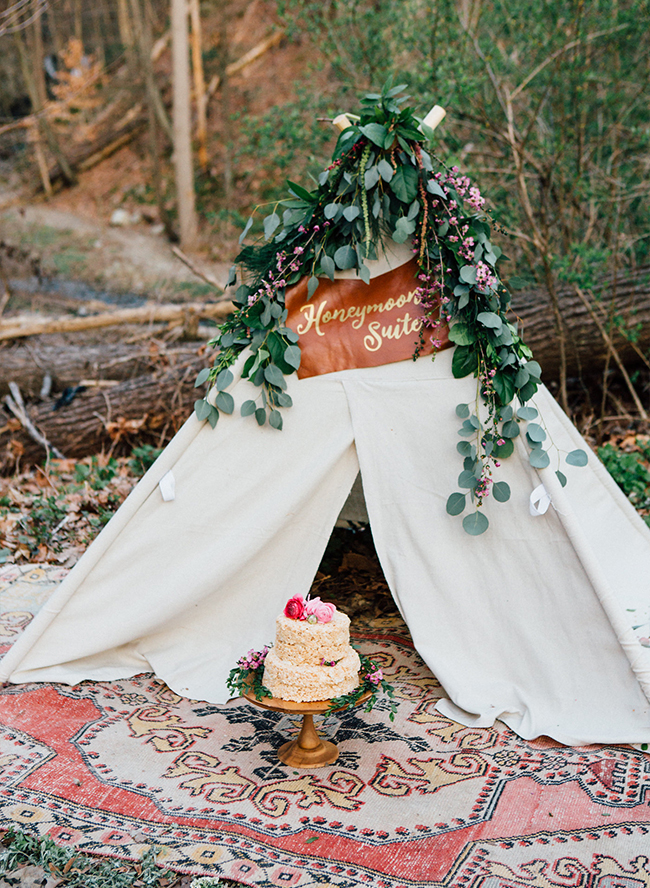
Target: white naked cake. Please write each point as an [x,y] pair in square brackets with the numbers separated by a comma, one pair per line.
[312,658]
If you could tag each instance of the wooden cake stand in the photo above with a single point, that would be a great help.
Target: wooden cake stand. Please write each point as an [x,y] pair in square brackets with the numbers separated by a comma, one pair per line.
[308,750]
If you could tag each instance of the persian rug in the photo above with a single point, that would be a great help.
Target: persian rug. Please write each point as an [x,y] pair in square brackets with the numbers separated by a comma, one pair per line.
[116,768]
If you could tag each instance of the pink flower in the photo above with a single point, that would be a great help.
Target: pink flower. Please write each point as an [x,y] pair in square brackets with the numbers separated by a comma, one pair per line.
[322,610]
[375,677]
[295,608]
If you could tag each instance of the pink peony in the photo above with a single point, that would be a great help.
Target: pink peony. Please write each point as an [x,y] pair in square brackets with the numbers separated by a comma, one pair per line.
[322,610]
[295,608]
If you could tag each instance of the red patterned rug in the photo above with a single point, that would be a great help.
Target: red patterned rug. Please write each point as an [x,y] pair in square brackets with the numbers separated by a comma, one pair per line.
[422,801]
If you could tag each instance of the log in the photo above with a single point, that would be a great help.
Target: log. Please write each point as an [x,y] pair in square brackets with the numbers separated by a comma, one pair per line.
[17,328]
[586,348]
[28,362]
[149,409]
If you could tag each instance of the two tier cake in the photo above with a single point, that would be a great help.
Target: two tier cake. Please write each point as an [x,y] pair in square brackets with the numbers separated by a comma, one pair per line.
[312,658]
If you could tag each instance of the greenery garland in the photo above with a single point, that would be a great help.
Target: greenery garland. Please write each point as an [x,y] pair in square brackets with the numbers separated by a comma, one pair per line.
[384,185]
[248,674]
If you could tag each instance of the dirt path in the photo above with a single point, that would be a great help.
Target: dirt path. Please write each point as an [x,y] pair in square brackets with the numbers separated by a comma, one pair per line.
[133,258]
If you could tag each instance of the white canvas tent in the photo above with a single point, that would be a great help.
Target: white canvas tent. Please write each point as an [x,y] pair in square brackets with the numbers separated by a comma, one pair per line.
[530,622]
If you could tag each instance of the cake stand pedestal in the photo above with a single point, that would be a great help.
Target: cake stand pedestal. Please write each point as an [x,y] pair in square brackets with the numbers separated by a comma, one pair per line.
[308,750]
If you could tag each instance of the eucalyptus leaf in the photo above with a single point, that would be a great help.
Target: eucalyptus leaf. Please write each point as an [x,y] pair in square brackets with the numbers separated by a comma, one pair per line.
[539,459]
[351,213]
[370,177]
[462,334]
[489,319]
[536,432]
[275,376]
[434,188]
[475,524]
[510,429]
[202,377]
[364,273]
[527,413]
[561,478]
[275,420]
[501,491]
[467,430]
[522,377]
[456,503]
[312,286]
[260,415]
[202,409]
[467,479]
[345,257]
[534,370]
[468,274]
[247,228]
[385,170]
[327,265]
[577,458]
[248,408]
[225,402]
[283,399]
[292,356]
[414,209]
[466,449]
[224,379]
[213,416]
[462,410]
[331,209]
[232,276]
[271,223]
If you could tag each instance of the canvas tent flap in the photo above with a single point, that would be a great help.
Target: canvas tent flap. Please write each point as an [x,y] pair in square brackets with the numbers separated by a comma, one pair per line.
[510,623]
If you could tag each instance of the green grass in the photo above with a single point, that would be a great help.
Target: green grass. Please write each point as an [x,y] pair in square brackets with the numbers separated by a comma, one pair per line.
[631,471]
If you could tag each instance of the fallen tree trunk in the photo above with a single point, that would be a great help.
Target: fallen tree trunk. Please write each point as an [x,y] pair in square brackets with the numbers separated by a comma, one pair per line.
[629,303]
[187,314]
[28,363]
[149,409]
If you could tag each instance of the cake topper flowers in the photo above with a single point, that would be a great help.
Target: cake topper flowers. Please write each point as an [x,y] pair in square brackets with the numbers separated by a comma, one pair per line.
[313,610]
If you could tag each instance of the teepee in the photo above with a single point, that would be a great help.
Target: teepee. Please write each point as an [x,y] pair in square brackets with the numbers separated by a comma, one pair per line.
[529,622]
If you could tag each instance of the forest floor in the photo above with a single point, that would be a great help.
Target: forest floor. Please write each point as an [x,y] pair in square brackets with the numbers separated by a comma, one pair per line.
[71,237]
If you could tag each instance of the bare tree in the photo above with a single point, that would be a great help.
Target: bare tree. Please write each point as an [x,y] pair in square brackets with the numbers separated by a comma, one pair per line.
[182,124]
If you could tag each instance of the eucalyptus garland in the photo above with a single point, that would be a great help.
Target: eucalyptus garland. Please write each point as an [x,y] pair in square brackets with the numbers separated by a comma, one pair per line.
[372,681]
[248,674]
[383,185]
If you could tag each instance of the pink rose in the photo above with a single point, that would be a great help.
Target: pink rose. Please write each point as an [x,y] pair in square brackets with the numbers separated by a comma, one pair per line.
[322,610]
[295,608]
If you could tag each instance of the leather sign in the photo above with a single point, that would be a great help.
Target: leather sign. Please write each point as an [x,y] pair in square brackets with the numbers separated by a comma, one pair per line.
[348,323]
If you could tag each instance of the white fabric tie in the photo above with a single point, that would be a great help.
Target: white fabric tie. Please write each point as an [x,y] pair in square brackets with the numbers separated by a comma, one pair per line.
[167,486]
[540,500]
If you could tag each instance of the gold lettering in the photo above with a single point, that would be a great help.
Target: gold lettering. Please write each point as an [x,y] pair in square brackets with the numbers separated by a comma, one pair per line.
[390,333]
[360,313]
[308,311]
[327,317]
[318,317]
[373,341]
[389,305]
[401,301]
